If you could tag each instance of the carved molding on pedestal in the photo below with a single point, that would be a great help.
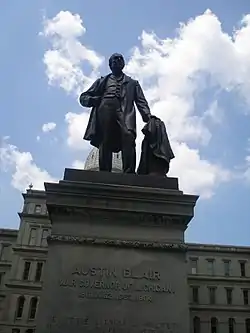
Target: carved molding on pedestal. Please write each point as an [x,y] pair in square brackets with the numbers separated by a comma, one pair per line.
[100,216]
[155,220]
[118,242]
[68,211]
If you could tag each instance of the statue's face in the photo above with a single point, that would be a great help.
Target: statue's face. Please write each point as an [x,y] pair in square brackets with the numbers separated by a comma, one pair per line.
[116,62]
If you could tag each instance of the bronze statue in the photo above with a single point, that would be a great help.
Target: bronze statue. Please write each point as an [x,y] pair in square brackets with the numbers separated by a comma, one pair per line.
[112,122]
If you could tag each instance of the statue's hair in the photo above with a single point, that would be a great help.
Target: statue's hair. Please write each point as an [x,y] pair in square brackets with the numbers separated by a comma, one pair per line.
[114,54]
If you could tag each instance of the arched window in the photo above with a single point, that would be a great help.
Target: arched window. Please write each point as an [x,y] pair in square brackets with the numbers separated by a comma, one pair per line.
[214,325]
[196,325]
[231,325]
[33,307]
[248,325]
[20,306]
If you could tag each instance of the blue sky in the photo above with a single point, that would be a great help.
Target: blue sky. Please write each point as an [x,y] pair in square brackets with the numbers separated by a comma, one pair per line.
[196,79]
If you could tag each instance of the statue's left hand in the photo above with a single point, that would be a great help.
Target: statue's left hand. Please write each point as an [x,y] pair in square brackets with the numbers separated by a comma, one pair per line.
[154,117]
[150,117]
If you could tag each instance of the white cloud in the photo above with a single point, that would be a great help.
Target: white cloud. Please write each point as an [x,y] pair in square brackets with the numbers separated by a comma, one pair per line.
[76,126]
[48,127]
[173,73]
[246,174]
[67,54]
[173,68]
[38,138]
[247,171]
[196,175]
[23,168]
[78,164]
[214,112]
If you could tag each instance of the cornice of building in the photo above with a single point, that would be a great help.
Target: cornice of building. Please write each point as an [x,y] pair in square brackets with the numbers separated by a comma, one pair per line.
[8,232]
[217,279]
[33,216]
[218,248]
[34,194]
[29,248]
[219,307]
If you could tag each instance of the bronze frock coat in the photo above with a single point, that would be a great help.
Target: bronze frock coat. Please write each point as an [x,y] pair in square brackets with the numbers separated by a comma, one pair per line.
[131,92]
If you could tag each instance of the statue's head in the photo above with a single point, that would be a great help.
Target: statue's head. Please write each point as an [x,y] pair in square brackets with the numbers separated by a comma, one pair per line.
[116,63]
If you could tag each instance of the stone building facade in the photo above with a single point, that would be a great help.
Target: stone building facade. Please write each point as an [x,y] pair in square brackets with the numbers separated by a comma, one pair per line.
[23,256]
[218,277]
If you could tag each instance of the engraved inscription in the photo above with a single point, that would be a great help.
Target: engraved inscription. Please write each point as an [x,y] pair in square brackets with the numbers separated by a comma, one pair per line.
[116,284]
[156,220]
[126,273]
[118,242]
[108,325]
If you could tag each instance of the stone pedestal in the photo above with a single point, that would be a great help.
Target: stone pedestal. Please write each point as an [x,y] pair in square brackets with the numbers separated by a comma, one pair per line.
[117,257]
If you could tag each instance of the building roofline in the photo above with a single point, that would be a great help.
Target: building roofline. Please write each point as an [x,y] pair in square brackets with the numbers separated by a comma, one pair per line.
[34,193]
[217,245]
[8,232]
[191,246]
[217,248]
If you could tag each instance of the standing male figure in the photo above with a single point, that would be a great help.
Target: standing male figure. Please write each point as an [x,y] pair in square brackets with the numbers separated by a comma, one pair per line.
[112,122]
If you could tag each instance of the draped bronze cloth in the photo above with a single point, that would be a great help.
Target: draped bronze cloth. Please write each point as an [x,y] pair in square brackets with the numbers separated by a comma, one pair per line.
[156,152]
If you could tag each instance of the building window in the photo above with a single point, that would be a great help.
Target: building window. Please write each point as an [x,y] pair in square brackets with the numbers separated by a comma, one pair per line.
[231,325]
[229,293]
[247,324]
[5,252]
[26,208]
[2,298]
[242,269]
[210,266]
[214,325]
[195,295]
[1,278]
[39,268]
[20,306]
[1,251]
[15,330]
[45,235]
[38,209]
[32,240]
[194,266]
[245,296]
[33,307]
[30,330]
[227,267]
[26,270]
[197,325]
[212,298]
